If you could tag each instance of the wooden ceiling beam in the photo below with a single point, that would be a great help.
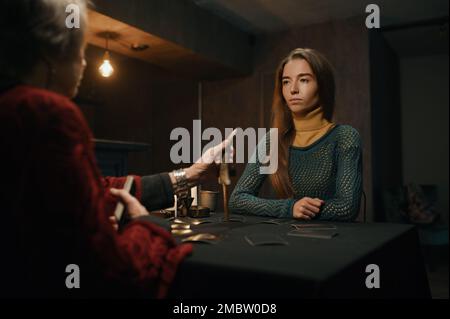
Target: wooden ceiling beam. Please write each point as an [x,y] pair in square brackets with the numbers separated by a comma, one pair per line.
[181,37]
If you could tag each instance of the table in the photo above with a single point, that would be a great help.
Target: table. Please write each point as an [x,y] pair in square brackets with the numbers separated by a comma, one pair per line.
[306,267]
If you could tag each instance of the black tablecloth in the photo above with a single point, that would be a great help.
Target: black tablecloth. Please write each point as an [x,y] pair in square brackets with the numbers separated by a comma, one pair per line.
[306,267]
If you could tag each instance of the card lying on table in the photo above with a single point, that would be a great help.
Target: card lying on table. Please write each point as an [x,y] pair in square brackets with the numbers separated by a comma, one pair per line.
[235,219]
[314,226]
[273,221]
[265,239]
[323,234]
[202,238]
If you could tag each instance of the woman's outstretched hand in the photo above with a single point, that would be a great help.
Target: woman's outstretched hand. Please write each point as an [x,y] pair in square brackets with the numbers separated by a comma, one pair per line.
[206,166]
[307,208]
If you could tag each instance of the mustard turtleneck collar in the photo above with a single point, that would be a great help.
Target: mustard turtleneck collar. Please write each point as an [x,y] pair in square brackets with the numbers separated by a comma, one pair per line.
[310,121]
[310,126]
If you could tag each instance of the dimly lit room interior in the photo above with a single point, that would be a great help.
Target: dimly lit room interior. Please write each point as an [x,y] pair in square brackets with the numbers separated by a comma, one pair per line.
[171,62]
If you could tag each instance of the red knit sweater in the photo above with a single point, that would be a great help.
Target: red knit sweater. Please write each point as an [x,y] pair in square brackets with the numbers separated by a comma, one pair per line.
[55,207]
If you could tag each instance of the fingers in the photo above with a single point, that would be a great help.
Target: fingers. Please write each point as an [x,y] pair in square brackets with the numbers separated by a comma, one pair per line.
[113,221]
[301,212]
[320,200]
[229,149]
[302,216]
[218,158]
[310,208]
[132,204]
[214,154]
[229,139]
[134,207]
[306,211]
[313,201]
[226,145]
[307,208]
[124,196]
[230,155]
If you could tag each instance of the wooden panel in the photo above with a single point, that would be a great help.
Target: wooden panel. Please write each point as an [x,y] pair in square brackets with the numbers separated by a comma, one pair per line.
[231,104]
[175,105]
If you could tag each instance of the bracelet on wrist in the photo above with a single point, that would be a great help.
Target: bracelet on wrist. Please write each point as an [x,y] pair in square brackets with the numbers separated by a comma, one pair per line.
[181,186]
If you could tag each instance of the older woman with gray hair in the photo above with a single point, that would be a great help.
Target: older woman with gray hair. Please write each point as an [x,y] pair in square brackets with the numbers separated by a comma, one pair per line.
[57,209]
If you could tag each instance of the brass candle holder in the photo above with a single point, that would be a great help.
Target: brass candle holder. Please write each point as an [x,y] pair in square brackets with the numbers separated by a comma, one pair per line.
[224,180]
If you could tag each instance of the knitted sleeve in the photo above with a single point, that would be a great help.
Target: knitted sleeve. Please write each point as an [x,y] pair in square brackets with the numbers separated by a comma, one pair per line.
[245,200]
[344,206]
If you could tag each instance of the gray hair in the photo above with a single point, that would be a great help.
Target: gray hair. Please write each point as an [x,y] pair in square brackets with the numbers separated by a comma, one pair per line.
[33,30]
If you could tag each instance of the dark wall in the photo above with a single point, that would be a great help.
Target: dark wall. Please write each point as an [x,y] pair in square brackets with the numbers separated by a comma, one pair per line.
[138,103]
[425,108]
[386,121]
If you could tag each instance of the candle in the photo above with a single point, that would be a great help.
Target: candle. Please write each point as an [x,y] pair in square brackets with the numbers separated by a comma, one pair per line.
[176,205]
[194,195]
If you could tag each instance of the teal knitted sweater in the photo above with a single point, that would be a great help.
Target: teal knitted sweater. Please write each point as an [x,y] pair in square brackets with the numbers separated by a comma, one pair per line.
[330,169]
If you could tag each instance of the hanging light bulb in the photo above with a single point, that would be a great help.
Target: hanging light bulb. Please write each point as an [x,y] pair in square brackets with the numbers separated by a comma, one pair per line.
[106,68]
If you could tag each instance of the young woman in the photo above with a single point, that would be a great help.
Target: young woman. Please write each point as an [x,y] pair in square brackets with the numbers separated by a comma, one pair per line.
[56,208]
[319,172]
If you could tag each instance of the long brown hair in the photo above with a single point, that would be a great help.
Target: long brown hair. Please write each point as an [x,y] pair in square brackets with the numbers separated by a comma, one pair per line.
[282,117]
